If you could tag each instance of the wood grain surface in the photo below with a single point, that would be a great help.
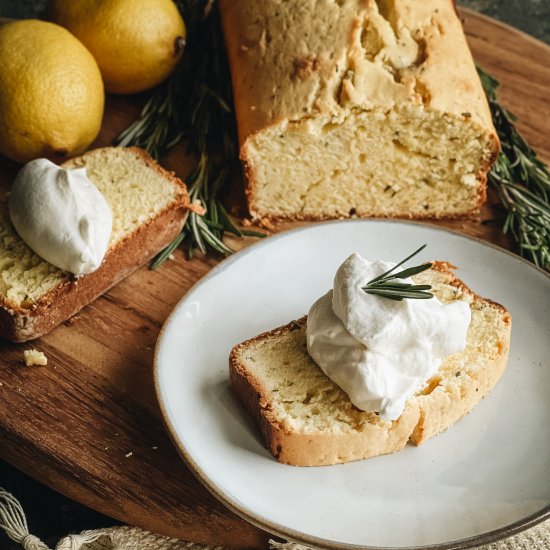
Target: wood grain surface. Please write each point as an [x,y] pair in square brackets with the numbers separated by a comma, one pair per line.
[88,424]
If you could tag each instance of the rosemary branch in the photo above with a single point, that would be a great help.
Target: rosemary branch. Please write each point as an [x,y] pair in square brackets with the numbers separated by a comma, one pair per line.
[159,125]
[521,181]
[386,286]
[193,105]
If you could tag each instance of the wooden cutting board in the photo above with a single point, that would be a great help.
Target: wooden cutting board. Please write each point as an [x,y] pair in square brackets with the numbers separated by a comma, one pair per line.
[88,425]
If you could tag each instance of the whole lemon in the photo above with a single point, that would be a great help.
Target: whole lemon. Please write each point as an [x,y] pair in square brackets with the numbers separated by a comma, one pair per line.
[51,92]
[136,43]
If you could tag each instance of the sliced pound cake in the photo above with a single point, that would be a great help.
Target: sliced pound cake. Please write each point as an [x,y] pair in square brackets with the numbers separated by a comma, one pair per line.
[149,207]
[307,420]
[366,108]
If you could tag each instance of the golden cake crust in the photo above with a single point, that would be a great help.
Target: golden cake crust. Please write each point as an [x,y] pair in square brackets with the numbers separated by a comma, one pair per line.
[287,64]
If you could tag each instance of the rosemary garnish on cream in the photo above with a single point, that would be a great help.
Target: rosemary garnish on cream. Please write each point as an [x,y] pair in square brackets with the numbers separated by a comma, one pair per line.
[386,286]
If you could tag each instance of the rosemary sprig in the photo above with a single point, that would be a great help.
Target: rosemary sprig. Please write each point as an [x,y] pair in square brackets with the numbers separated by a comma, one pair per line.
[193,105]
[159,125]
[522,183]
[386,286]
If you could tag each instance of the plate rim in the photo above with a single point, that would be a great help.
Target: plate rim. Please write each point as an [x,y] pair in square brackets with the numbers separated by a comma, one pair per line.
[291,534]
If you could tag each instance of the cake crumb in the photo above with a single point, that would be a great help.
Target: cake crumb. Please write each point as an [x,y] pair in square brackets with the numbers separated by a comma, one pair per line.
[197,207]
[72,320]
[34,357]
[128,455]
[266,223]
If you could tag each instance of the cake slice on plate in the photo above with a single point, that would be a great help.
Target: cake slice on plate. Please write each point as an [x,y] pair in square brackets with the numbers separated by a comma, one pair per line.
[306,419]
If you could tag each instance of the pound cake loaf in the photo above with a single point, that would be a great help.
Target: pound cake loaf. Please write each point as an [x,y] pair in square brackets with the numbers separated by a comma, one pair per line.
[307,420]
[357,108]
[149,207]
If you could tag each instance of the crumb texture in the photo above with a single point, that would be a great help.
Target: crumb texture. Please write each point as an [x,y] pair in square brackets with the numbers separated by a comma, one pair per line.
[24,276]
[34,357]
[406,162]
[134,189]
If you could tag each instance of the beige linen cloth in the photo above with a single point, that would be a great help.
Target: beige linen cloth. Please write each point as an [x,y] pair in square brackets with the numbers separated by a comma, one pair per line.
[14,523]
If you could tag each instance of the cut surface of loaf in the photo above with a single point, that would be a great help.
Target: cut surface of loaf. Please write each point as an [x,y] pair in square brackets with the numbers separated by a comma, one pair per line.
[148,205]
[307,420]
[366,108]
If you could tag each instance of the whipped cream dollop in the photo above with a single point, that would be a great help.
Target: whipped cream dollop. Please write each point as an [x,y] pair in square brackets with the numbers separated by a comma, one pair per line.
[61,215]
[381,351]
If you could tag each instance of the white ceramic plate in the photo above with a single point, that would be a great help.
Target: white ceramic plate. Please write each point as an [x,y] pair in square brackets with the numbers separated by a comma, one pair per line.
[485,478]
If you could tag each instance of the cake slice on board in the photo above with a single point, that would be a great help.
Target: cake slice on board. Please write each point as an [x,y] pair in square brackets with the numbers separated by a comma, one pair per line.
[149,206]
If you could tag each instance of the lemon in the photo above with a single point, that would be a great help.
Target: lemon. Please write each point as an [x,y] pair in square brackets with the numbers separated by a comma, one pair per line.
[136,43]
[51,92]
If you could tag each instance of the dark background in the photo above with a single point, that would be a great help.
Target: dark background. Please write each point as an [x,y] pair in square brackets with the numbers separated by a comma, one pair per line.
[531,16]
[50,515]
